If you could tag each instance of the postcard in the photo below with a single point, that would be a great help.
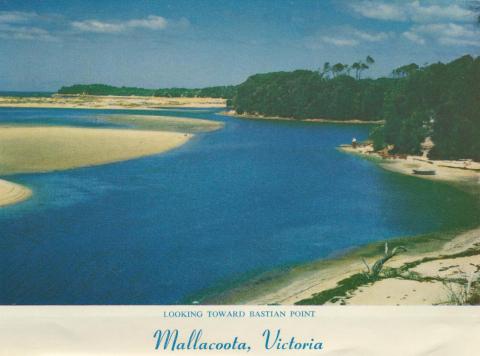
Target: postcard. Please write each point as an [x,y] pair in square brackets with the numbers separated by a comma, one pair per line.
[219,177]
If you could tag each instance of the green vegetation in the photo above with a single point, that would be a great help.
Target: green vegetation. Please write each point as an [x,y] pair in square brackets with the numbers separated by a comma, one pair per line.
[470,294]
[440,101]
[225,92]
[101,89]
[330,93]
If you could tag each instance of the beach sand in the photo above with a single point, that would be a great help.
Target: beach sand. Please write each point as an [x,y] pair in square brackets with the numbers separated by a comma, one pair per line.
[464,174]
[395,291]
[43,149]
[11,193]
[304,281]
[110,102]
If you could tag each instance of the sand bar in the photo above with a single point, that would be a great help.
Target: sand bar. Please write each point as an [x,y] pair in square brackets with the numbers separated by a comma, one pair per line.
[44,149]
[110,102]
[164,123]
[11,193]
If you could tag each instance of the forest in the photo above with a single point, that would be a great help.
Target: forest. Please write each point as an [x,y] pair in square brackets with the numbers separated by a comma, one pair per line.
[441,101]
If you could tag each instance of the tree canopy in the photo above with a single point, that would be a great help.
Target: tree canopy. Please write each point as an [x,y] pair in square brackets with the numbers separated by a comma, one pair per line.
[102,89]
[441,101]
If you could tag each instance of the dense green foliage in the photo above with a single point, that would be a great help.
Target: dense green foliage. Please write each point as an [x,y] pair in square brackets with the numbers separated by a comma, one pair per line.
[226,92]
[306,94]
[101,89]
[439,100]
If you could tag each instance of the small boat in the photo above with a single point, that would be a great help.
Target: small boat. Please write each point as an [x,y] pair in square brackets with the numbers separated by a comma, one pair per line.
[424,172]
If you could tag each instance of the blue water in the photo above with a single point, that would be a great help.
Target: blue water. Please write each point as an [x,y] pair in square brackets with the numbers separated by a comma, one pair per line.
[249,198]
[27,94]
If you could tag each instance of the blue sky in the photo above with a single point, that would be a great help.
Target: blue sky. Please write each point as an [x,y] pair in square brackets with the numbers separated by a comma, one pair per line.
[45,44]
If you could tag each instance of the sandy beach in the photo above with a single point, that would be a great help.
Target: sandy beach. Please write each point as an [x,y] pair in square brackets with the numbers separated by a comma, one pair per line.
[11,193]
[463,174]
[233,113]
[416,277]
[110,102]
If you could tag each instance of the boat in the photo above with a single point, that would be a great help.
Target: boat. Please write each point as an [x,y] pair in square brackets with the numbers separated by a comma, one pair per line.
[424,172]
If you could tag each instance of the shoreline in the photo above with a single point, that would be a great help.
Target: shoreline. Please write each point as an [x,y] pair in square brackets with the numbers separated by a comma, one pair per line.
[418,276]
[110,102]
[298,284]
[232,113]
[464,175]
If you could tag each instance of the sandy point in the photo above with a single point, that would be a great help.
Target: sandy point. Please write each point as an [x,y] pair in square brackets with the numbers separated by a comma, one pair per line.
[11,193]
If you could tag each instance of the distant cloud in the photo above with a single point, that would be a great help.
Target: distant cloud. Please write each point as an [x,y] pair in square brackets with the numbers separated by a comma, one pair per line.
[346,36]
[151,22]
[25,33]
[371,36]
[16,25]
[19,25]
[340,42]
[379,11]
[11,17]
[411,11]
[414,37]
[449,34]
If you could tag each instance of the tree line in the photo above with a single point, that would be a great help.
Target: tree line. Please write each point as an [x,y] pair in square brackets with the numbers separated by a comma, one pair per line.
[441,101]
[226,92]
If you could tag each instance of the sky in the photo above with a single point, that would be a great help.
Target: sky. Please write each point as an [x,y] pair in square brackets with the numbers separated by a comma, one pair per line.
[45,44]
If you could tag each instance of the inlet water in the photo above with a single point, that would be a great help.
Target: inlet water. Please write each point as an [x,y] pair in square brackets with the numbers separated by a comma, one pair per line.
[254,196]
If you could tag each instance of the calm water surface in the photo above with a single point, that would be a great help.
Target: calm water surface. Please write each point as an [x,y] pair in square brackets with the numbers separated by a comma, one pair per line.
[254,196]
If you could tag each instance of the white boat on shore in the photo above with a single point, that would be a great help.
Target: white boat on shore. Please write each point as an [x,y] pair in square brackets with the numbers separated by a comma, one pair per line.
[424,172]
